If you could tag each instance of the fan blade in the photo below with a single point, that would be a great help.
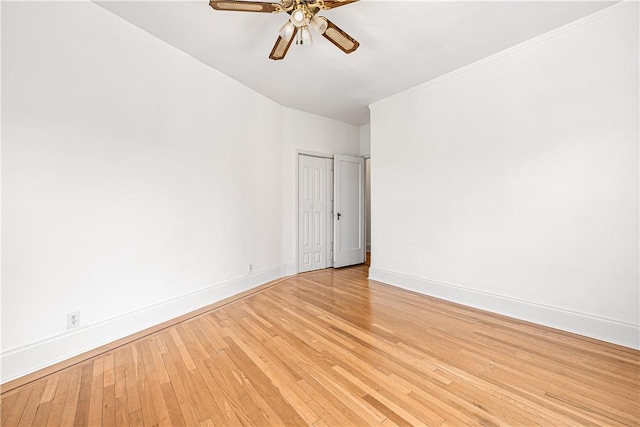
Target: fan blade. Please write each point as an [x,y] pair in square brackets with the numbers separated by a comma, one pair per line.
[342,40]
[332,4]
[281,47]
[245,6]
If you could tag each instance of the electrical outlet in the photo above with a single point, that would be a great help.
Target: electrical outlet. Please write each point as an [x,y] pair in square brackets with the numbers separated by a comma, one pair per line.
[250,268]
[73,319]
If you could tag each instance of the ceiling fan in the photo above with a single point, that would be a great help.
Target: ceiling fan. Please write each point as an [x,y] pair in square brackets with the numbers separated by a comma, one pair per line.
[303,14]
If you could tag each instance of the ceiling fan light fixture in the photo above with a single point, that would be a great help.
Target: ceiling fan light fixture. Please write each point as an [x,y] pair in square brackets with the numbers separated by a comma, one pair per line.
[319,24]
[302,15]
[287,30]
[305,36]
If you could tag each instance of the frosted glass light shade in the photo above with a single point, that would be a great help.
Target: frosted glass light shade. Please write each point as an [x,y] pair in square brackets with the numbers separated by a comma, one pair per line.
[286,32]
[306,36]
[319,24]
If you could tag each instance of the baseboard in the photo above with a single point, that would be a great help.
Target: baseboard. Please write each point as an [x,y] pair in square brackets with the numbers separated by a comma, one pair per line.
[21,361]
[289,269]
[613,331]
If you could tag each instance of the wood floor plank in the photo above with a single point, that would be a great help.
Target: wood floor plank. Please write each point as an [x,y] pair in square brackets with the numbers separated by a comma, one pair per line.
[143,374]
[184,352]
[331,348]
[50,390]
[58,403]
[131,380]
[121,411]
[96,393]
[42,414]
[200,397]
[81,417]
[210,371]
[289,411]
[109,405]
[17,407]
[31,409]
[184,401]
[173,407]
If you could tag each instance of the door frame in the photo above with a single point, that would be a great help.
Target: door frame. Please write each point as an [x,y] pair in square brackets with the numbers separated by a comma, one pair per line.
[367,202]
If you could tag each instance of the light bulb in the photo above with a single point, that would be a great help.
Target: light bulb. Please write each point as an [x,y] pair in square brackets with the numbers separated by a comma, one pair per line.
[298,18]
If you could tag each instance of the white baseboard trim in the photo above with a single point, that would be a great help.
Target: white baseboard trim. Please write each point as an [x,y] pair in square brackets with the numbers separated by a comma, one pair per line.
[613,331]
[289,269]
[24,360]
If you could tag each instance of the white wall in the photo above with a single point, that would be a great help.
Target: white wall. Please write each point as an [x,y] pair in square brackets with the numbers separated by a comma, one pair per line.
[365,140]
[137,183]
[512,184]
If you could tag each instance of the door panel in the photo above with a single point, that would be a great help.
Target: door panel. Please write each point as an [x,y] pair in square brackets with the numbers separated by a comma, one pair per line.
[313,211]
[349,237]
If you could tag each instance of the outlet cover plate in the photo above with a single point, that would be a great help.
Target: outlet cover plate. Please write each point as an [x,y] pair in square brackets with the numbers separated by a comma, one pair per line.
[73,319]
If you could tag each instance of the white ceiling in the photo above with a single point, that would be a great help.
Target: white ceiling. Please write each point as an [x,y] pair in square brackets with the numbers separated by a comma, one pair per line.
[402,44]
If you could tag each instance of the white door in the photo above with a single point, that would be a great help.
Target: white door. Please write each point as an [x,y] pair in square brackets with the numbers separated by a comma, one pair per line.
[348,208]
[314,209]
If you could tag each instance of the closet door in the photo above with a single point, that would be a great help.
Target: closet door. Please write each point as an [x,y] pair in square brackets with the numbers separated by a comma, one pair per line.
[348,207]
[313,213]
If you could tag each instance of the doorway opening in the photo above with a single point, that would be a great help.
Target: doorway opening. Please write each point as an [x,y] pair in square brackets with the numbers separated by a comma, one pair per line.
[331,212]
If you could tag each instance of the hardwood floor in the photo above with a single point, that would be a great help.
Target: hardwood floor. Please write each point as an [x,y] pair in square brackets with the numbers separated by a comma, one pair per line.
[331,348]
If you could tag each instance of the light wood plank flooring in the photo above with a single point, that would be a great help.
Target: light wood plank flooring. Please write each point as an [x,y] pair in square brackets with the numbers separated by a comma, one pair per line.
[331,348]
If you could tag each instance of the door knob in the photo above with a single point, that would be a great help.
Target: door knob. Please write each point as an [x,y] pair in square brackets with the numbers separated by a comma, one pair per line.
[339,215]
